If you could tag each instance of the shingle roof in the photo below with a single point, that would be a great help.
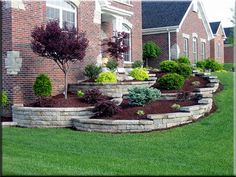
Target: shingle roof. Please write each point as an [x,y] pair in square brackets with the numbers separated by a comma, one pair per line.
[228,32]
[163,13]
[214,26]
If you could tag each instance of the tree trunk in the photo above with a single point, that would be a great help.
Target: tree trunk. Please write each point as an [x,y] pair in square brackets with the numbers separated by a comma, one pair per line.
[66,85]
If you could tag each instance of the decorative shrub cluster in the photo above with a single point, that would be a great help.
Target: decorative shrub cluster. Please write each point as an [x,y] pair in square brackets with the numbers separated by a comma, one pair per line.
[137,64]
[168,66]
[106,109]
[184,60]
[171,81]
[42,86]
[184,70]
[92,71]
[210,64]
[138,96]
[107,77]
[92,96]
[4,98]
[112,64]
[139,74]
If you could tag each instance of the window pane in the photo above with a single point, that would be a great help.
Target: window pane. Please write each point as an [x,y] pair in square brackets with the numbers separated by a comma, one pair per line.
[60,3]
[68,18]
[52,14]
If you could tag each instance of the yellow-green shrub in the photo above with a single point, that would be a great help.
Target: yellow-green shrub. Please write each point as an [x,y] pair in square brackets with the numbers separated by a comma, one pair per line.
[107,77]
[139,74]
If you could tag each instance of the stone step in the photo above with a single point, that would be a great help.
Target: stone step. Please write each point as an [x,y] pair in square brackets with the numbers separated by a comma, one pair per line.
[152,78]
[152,75]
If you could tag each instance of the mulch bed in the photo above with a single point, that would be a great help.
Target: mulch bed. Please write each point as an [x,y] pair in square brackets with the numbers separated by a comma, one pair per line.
[59,101]
[6,119]
[157,107]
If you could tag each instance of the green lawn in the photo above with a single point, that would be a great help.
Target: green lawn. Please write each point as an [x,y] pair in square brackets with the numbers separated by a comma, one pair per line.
[201,148]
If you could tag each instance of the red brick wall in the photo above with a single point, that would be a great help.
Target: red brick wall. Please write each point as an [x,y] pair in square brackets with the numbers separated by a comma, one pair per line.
[228,54]
[17,27]
[193,24]
[162,41]
[213,45]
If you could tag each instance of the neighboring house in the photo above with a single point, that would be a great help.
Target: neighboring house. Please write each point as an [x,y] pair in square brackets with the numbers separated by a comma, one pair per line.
[98,18]
[217,43]
[228,46]
[180,28]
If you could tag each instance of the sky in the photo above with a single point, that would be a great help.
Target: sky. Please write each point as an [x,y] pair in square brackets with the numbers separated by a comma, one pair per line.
[219,10]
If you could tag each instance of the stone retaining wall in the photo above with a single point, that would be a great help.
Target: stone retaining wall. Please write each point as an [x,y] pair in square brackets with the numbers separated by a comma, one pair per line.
[157,121]
[48,117]
[111,89]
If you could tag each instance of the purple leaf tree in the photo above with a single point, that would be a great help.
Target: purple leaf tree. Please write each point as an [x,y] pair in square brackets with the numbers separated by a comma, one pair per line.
[64,46]
[117,45]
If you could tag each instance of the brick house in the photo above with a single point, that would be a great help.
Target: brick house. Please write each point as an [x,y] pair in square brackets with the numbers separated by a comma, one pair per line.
[228,47]
[180,28]
[217,43]
[98,18]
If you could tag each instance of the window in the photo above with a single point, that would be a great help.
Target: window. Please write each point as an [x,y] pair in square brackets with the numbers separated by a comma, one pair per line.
[186,47]
[127,55]
[195,49]
[218,50]
[63,11]
[203,46]
[125,1]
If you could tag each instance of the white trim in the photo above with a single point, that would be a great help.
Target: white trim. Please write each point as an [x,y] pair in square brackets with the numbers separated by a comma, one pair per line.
[116,11]
[202,40]
[185,35]
[194,35]
[220,26]
[127,22]
[204,18]
[118,1]
[160,30]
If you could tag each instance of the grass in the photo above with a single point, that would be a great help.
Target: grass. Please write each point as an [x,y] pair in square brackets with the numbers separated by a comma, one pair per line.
[201,148]
[228,66]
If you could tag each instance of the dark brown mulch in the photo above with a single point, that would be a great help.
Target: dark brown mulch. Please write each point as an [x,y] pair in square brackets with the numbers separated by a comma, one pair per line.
[188,86]
[59,101]
[6,119]
[156,107]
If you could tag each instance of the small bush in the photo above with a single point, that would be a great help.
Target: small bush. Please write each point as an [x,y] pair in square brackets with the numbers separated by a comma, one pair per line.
[42,86]
[4,98]
[175,106]
[137,64]
[168,66]
[112,64]
[184,70]
[106,109]
[92,96]
[107,77]
[185,95]
[201,64]
[139,74]
[80,93]
[138,96]
[92,71]
[151,50]
[171,81]
[140,112]
[213,65]
[184,60]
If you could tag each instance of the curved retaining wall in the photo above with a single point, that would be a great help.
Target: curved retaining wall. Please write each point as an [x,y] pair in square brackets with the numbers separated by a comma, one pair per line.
[157,121]
[111,89]
[48,117]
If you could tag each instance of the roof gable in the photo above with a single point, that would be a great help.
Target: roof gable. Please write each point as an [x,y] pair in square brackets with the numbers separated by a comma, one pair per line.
[214,27]
[156,14]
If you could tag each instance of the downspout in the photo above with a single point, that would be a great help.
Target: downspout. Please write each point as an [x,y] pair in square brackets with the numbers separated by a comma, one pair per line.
[169,44]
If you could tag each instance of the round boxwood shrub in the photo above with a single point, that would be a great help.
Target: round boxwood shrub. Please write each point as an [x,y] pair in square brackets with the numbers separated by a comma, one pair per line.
[42,86]
[112,64]
[213,65]
[140,74]
[201,64]
[137,64]
[4,98]
[92,71]
[172,81]
[184,60]
[184,70]
[168,66]
[138,96]
[151,50]
[107,77]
